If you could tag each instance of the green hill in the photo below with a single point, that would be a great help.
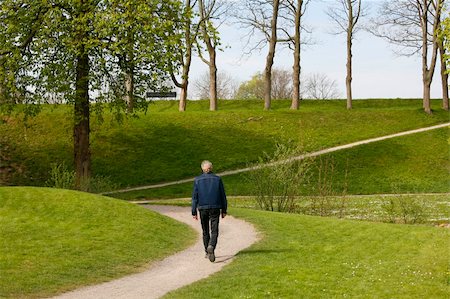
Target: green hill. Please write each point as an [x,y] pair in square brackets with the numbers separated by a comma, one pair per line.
[166,145]
[54,240]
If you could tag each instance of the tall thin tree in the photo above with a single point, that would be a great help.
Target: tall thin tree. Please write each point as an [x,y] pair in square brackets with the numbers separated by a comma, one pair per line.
[292,12]
[210,10]
[346,14]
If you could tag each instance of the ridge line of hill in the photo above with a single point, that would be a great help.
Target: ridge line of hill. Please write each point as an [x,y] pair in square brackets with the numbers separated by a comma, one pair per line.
[296,158]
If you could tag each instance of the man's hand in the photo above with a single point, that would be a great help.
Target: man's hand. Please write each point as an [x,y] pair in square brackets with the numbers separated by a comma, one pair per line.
[195,217]
[224,214]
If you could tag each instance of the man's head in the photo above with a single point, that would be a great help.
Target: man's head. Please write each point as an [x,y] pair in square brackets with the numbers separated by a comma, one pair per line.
[206,166]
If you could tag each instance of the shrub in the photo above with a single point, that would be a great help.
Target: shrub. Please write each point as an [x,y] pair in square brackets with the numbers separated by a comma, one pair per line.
[61,177]
[278,179]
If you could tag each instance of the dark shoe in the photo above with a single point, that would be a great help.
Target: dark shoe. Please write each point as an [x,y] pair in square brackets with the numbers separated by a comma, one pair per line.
[211,255]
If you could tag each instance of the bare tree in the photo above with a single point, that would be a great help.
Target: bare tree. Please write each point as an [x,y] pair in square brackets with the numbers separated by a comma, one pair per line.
[282,87]
[413,25]
[261,16]
[211,10]
[270,56]
[294,11]
[226,85]
[346,14]
[321,87]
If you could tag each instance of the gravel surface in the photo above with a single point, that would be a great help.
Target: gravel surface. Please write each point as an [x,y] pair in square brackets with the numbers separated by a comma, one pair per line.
[177,270]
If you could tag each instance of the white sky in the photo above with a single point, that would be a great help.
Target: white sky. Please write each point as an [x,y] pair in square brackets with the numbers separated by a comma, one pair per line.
[377,71]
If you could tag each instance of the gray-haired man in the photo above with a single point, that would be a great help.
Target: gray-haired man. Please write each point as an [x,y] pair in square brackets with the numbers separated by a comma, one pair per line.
[208,196]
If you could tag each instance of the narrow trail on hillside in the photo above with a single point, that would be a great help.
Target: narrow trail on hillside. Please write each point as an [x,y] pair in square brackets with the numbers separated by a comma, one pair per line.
[296,158]
[177,270]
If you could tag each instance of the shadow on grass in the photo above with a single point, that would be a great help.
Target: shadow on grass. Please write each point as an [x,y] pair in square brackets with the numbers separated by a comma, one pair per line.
[263,251]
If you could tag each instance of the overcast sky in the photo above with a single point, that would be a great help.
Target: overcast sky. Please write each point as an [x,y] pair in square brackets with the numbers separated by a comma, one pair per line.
[377,71]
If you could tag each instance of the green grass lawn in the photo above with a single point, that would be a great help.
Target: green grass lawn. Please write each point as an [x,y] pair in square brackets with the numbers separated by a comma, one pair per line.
[430,209]
[55,240]
[166,145]
[313,257]
[409,164]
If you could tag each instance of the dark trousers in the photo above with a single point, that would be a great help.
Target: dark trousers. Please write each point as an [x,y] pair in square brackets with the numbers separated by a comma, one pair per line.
[210,226]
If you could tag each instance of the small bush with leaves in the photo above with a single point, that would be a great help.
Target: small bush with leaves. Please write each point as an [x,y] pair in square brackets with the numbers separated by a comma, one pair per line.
[61,177]
[278,179]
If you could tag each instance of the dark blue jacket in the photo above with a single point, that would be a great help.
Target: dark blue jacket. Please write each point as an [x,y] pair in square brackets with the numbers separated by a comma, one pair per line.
[208,193]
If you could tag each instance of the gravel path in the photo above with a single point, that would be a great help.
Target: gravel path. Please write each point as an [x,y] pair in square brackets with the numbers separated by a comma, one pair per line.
[177,270]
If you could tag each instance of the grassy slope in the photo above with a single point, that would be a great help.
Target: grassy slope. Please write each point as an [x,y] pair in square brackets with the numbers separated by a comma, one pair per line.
[317,257]
[408,164]
[54,240]
[166,145]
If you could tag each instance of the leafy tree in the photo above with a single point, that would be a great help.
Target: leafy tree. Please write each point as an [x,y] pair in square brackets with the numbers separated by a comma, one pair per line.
[251,89]
[254,88]
[136,55]
[64,50]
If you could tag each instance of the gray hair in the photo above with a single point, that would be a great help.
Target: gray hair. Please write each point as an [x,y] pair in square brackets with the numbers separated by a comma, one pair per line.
[206,166]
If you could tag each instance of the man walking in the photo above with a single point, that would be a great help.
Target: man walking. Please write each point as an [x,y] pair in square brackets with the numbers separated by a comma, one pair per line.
[208,196]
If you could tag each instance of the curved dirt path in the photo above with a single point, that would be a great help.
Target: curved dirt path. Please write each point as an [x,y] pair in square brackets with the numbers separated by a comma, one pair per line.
[296,158]
[177,270]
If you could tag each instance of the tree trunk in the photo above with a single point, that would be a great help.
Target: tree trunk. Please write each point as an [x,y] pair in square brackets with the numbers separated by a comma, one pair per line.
[82,155]
[186,65]
[183,97]
[2,82]
[209,41]
[426,95]
[270,57]
[212,81]
[427,72]
[348,79]
[129,88]
[444,76]
[296,68]
[185,81]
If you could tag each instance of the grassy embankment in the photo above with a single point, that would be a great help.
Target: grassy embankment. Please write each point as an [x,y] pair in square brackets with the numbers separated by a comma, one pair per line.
[166,145]
[55,240]
[298,256]
[417,163]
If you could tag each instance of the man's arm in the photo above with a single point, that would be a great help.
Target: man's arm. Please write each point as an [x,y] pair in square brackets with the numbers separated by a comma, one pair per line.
[194,201]
[223,197]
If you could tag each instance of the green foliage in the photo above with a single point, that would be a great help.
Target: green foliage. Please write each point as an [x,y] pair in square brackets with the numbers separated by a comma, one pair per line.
[42,40]
[252,89]
[445,35]
[315,257]
[276,186]
[404,210]
[57,240]
[61,177]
